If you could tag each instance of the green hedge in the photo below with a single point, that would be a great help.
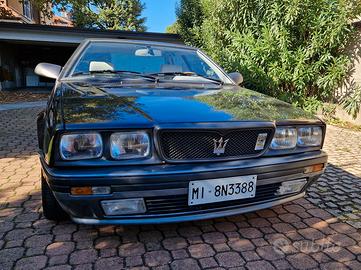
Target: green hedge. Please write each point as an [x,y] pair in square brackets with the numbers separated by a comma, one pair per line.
[294,50]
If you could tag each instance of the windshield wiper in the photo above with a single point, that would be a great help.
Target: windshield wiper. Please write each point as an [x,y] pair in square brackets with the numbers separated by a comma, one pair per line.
[185,74]
[119,72]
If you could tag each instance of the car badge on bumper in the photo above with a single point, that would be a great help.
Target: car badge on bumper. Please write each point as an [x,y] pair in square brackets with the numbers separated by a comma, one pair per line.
[219,146]
[261,141]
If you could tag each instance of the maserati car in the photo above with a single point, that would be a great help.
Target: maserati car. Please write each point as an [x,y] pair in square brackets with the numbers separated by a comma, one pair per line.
[139,132]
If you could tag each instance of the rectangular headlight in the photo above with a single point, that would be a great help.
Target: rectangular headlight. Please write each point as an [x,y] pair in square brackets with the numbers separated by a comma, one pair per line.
[81,146]
[309,136]
[284,138]
[129,145]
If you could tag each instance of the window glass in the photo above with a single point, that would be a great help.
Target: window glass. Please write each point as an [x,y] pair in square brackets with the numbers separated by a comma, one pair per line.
[27,8]
[144,59]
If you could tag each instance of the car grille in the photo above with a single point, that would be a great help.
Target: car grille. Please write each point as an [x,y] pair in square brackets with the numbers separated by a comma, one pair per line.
[179,203]
[189,145]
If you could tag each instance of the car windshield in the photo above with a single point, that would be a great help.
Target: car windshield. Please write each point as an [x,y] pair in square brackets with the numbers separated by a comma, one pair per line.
[144,61]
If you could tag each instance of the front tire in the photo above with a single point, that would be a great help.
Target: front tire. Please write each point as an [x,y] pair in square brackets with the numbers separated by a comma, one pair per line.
[51,208]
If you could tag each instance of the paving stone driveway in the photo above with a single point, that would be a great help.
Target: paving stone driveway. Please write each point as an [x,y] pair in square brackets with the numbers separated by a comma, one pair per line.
[320,231]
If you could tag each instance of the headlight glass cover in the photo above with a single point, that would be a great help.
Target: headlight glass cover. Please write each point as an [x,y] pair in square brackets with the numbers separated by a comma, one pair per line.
[284,138]
[129,145]
[81,146]
[309,136]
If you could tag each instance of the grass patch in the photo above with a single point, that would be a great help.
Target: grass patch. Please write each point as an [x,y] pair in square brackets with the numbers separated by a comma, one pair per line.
[343,124]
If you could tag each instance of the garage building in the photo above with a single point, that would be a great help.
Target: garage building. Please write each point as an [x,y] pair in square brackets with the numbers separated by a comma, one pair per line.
[23,46]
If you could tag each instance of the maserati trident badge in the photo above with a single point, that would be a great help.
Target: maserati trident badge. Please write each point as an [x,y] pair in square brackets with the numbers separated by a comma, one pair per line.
[219,146]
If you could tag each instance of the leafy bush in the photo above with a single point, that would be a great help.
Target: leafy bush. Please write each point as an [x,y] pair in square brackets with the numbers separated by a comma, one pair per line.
[6,14]
[293,49]
[309,104]
[329,112]
[352,102]
[190,16]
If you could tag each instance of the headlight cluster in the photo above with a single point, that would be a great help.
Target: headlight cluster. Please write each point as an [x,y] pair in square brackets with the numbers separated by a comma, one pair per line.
[135,145]
[123,145]
[290,137]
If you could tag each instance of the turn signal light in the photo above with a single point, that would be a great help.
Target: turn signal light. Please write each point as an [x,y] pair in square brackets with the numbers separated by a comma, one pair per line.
[90,190]
[314,168]
[81,191]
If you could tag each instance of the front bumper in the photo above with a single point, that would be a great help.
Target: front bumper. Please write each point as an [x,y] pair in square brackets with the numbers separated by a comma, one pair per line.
[165,187]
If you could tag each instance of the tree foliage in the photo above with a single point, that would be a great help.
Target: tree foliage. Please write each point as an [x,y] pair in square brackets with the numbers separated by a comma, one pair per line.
[6,13]
[352,101]
[173,28]
[101,14]
[109,14]
[293,49]
[190,18]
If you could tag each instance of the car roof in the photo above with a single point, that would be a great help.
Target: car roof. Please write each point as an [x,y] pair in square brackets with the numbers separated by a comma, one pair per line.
[142,42]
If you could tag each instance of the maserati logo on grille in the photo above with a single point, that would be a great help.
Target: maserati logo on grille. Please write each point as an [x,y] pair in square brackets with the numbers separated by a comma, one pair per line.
[219,146]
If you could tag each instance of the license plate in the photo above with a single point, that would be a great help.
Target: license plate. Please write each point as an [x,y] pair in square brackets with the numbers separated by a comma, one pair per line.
[222,189]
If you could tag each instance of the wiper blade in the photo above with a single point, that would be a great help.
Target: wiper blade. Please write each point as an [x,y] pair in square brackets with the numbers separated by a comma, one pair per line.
[175,73]
[120,72]
[187,73]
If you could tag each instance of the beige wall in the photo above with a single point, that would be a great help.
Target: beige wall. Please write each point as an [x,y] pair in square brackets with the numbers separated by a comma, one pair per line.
[342,114]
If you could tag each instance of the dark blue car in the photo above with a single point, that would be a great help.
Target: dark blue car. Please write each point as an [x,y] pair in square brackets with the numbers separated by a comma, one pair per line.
[143,132]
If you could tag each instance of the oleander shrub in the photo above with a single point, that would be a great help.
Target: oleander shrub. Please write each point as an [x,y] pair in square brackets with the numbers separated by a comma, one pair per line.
[291,49]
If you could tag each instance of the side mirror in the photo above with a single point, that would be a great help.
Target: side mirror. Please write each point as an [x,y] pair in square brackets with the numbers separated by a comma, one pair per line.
[48,70]
[236,77]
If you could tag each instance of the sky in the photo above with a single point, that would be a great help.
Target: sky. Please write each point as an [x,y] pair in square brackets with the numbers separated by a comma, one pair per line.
[159,14]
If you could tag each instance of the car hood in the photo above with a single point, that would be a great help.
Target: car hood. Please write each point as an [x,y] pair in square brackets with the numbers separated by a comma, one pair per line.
[120,106]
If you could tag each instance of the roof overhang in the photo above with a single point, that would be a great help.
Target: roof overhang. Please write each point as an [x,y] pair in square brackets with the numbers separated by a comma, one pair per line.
[57,35]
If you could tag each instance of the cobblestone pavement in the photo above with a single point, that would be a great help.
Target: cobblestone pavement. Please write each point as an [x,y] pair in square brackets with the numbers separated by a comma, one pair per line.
[15,96]
[309,233]
[339,190]
[22,105]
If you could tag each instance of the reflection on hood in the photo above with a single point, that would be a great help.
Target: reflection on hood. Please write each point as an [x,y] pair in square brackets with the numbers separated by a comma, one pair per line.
[247,104]
[128,107]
